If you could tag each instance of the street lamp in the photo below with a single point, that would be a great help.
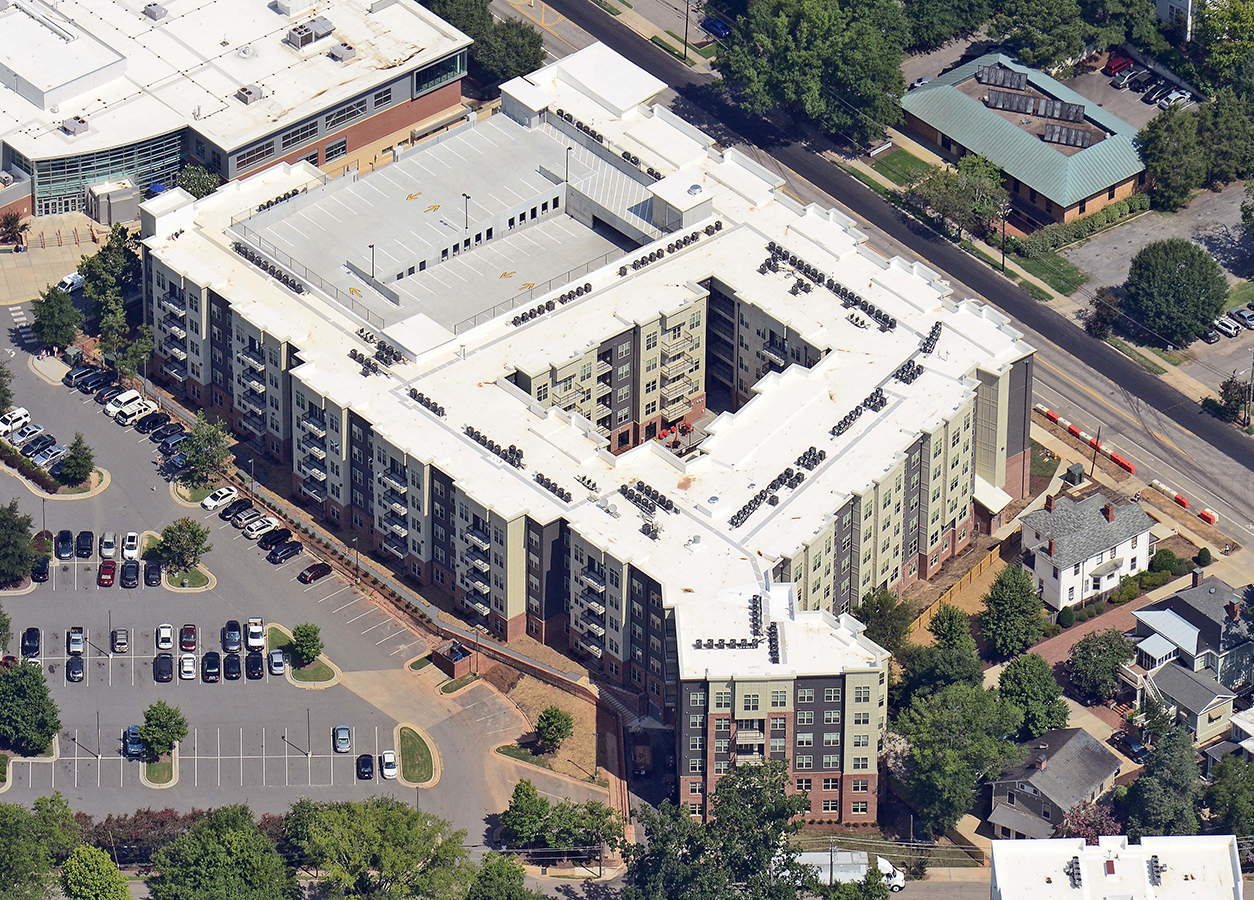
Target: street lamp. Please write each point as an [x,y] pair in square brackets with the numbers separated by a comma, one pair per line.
[466,197]
[1004,212]
[568,152]
[687,14]
[372,260]
[356,560]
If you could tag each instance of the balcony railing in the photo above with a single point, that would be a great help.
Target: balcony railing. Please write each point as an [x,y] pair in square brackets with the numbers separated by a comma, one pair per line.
[175,371]
[252,359]
[313,448]
[478,538]
[480,585]
[593,580]
[603,411]
[311,468]
[254,423]
[395,482]
[396,503]
[251,402]
[587,645]
[480,563]
[254,384]
[677,388]
[675,345]
[601,368]
[481,608]
[173,349]
[396,547]
[398,526]
[676,367]
[314,491]
[593,603]
[568,396]
[173,306]
[776,352]
[316,427]
[603,389]
[594,628]
[171,324]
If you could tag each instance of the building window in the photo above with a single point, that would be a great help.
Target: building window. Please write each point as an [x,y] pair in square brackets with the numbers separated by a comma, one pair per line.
[696,765]
[805,739]
[749,702]
[777,745]
[696,721]
[862,694]
[722,700]
[804,762]
[860,763]
[859,785]
[250,158]
[805,717]
[858,807]
[831,739]
[779,699]
[831,761]
[831,784]
[805,695]
[383,97]
[337,150]
[696,742]
[803,784]
[831,717]
[831,806]
[831,695]
[345,114]
[301,135]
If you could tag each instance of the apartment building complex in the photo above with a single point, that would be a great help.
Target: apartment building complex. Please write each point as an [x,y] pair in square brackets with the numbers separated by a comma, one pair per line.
[100,101]
[610,387]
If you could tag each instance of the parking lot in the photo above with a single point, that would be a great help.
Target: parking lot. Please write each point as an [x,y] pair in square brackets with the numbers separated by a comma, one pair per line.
[1125,103]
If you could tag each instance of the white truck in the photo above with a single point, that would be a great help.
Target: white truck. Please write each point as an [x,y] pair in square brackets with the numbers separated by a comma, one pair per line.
[75,642]
[848,866]
[255,635]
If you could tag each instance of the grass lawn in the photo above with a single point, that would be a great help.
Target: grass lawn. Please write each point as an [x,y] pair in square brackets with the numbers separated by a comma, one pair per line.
[980,254]
[706,52]
[1173,358]
[612,10]
[458,683]
[315,672]
[195,495]
[419,664]
[277,640]
[195,578]
[159,772]
[150,545]
[1136,356]
[416,765]
[1240,294]
[901,166]
[82,487]
[1042,466]
[1035,290]
[524,755]
[1054,271]
[890,195]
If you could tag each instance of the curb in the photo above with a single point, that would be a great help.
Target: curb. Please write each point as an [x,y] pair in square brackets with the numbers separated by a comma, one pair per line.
[437,764]
[213,583]
[306,685]
[56,755]
[172,486]
[1074,430]
[31,359]
[174,774]
[106,479]
[17,593]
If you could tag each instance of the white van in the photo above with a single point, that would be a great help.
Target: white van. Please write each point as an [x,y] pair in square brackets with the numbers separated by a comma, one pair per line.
[121,401]
[130,414]
[70,283]
[13,420]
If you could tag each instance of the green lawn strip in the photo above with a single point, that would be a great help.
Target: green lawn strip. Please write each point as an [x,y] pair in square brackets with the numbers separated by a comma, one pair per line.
[1136,356]
[667,46]
[901,166]
[419,664]
[458,683]
[706,52]
[277,640]
[315,672]
[1035,290]
[159,772]
[522,754]
[1240,294]
[980,254]
[194,495]
[1170,358]
[1040,465]
[1054,271]
[613,11]
[887,193]
[4,767]
[416,765]
[195,578]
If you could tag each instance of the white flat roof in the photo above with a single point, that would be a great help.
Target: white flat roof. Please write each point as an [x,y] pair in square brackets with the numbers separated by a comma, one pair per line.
[185,68]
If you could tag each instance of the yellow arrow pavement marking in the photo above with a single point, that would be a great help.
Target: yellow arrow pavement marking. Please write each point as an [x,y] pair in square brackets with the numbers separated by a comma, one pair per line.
[354,292]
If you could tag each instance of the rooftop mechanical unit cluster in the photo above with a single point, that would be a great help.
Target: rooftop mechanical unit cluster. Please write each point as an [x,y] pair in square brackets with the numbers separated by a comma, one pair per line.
[510,454]
[268,267]
[424,400]
[550,305]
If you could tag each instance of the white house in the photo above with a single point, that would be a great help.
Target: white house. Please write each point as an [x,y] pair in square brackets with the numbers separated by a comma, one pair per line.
[1079,549]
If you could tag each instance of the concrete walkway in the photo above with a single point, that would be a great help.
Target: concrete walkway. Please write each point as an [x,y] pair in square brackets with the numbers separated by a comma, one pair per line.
[55,244]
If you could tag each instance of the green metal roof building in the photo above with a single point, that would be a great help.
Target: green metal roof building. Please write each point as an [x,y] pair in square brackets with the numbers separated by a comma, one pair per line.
[1062,154]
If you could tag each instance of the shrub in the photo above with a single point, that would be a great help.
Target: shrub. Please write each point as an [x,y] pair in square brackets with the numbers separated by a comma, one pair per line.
[28,469]
[1051,237]
[1151,580]
[1052,630]
[1204,557]
[1066,617]
[1128,589]
[1164,561]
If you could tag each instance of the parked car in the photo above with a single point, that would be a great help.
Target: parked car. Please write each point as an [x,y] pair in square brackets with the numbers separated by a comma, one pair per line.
[121,402]
[177,462]
[63,548]
[95,382]
[1156,93]
[70,283]
[187,639]
[13,420]
[132,745]
[263,525]
[165,636]
[232,669]
[1211,336]
[130,545]
[1131,746]
[919,82]
[1120,81]
[1177,97]
[25,433]
[272,539]
[133,413]
[121,640]
[152,573]
[170,444]
[187,666]
[151,422]
[278,662]
[74,669]
[221,497]
[1143,82]
[104,395]
[231,510]
[84,544]
[108,545]
[245,517]
[255,639]
[1116,64]
[72,378]
[365,767]
[108,571]
[284,552]
[211,667]
[39,569]
[163,668]
[130,574]
[717,28]
[162,432]
[50,455]
[387,764]
[312,573]
[232,637]
[1244,316]
[254,666]
[75,641]
[38,445]
[30,643]
[342,739]
[1227,327]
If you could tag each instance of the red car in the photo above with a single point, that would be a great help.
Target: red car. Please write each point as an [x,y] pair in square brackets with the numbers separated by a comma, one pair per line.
[108,571]
[1116,64]
[8,662]
[187,639]
[314,572]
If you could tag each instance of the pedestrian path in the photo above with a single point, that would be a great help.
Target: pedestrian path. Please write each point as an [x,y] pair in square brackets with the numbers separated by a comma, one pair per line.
[23,336]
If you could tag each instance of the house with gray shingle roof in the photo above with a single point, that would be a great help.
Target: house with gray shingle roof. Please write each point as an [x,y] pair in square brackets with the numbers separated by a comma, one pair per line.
[1079,549]
[1063,155]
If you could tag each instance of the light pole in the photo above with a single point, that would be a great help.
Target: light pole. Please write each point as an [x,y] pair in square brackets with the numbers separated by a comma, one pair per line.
[568,152]
[372,260]
[687,15]
[466,197]
[356,560]
[1004,211]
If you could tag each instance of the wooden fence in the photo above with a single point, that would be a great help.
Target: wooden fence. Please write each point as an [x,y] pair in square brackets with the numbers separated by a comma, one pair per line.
[925,615]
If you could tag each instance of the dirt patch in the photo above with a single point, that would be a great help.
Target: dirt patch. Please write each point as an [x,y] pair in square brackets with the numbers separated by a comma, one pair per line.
[923,593]
[502,677]
[1174,512]
[1083,451]
[579,757]
[1181,546]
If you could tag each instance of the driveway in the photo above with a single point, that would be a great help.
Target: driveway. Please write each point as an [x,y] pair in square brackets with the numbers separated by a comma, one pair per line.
[1126,104]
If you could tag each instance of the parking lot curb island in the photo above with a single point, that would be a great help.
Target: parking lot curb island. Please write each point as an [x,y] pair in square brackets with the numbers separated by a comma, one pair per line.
[105,480]
[317,685]
[17,592]
[174,494]
[49,369]
[437,765]
[13,760]
[174,773]
[213,583]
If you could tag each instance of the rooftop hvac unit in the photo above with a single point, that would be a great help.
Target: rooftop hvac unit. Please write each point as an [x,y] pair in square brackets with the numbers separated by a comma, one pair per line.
[343,52]
[249,93]
[74,125]
[155,11]
[301,36]
[321,26]
[6,179]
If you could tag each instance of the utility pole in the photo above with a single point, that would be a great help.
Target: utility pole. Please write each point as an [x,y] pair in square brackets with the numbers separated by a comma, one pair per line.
[1004,212]
[687,15]
[1249,388]
[466,197]
[1096,443]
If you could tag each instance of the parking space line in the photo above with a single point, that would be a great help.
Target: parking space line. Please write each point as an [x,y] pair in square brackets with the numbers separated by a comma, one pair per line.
[219,732]
[263,756]
[346,587]
[377,624]
[390,636]
[346,605]
[362,616]
[241,757]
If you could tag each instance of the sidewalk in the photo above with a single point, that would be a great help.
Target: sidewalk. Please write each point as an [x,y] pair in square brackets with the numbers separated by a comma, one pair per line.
[54,246]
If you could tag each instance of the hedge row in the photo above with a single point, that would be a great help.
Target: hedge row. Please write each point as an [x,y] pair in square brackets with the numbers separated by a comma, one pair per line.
[28,469]
[1051,237]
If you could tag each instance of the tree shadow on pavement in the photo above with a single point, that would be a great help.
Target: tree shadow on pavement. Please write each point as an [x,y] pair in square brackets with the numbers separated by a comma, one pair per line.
[1228,245]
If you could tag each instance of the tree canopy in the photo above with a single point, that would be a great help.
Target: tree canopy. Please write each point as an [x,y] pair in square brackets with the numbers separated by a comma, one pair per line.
[936,22]
[512,48]
[1175,289]
[1174,159]
[198,181]
[57,320]
[224,856]
[1095,660]
[1164,799]
[553,726]
[951,660]
[501,878]
[1089,821]
[89,874]
[79,461]
[970,195]
[208,450]
[834,62]
[183,542]
[1044,32]
[29,718]
[17,545]
[164,726]
[306,643]
[1028,684]
[1231,795]
[887,618]
[32,841]
[1013,617]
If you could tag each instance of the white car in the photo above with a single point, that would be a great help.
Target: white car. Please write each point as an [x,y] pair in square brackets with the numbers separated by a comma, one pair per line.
[1175,98]
[130,545]
[255,637]
[387,764]
[133,413]
[187,666]
[121,402]
[108,545]
[165,637]
[221,497]
[13,420]
[260,527]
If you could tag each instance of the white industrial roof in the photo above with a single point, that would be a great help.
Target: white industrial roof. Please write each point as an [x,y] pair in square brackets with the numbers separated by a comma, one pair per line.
[132,77]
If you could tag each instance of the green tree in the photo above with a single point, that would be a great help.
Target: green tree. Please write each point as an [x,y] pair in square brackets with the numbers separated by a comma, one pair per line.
[1175,160]
[1114,22]
[382,847]
[17,543]
[1095,660]
[113,328]
[306,643]
[1103,314]
[553,726]
[6,629]
[956,737]
[1089,821]
[31,841]
[208,450]
[936,22]
[12,229]
[524,819]
[79,462]
[1230,795]
[1164,799]
[1232,395]
[1157,720]
[513,47]
[951,660]
[570,825]
[1225,31]
[834,63]
[969,195]
[164,726]
[29,718]
[134,353]
[887,618]
[183,542]
[501,878]
[756,816]
[6,387]
[57,321]
[1028,684]
[1225,131]
[89,874]
[223,856]
[680,858]
[198,182]
[469,16]
[113,273]
[1175,289]
[1013,617]
[1045,32]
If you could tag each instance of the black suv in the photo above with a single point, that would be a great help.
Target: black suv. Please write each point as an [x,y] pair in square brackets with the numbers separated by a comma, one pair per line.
[39,571]
[30,642]
[151,422]
[284,552]
[232,509]
[272,539]
[85,544]
[130,573]
[65,544]
[365,767]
